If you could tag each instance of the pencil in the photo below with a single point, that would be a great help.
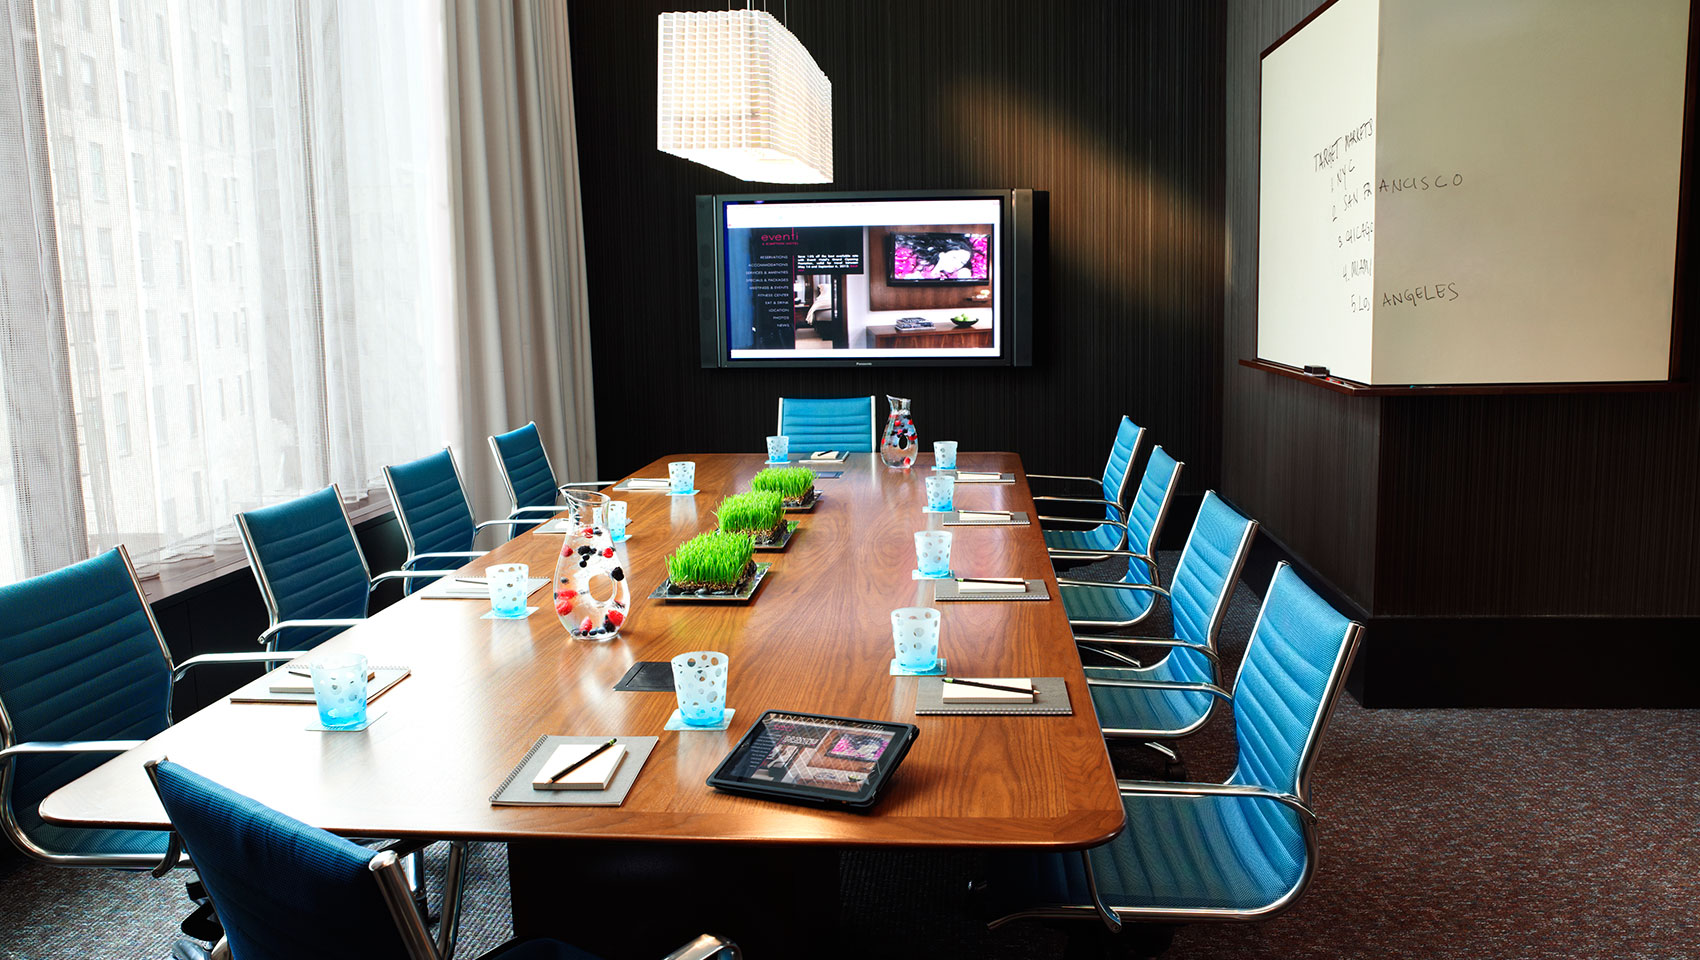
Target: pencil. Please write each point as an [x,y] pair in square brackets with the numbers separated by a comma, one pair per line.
[581,761]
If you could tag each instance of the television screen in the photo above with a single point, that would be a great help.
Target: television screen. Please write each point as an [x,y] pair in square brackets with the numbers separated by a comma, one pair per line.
[807,279]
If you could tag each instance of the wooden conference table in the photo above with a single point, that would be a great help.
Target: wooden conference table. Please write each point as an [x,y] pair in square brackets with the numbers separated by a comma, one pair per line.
[816,638]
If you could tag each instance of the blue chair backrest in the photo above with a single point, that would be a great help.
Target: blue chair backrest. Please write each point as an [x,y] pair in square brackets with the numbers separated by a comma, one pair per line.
[1116,469]
[1149,507]
[1204,580]
[836,424]
[283,890]
[305,555]
[79,660]
[430,505]
[531,481]
[1293,669]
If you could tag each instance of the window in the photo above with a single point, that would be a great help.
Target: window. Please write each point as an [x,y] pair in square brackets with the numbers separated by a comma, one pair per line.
[139,180]
[114,341]
[91,92]
[61,75]
[161,422]
[108,263]
[97,171]
[133,100]
[120,424]
[146,473]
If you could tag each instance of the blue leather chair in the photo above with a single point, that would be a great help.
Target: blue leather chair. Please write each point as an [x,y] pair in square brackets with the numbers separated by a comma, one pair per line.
[436,519]
[1209,568]
[846,424]
[285,890]
[1117,605]
[1240,850]
[533,488]
[84,674]
[312,575]
[1111,534]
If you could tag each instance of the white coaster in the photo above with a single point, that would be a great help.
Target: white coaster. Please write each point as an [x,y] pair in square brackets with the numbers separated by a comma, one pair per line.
[936,671]
[371,718]
[492,615]
[677,722]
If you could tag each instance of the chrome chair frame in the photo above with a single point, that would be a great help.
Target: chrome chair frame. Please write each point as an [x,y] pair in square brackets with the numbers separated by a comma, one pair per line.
[517,515]
[1059,553]
[1113,917]
[407,530]
[10,749]
[873,422]
[1121,490]
[269,636]
[393,887]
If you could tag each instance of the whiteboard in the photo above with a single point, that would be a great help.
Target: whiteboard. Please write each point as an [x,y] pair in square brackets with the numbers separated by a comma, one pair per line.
[1522,222]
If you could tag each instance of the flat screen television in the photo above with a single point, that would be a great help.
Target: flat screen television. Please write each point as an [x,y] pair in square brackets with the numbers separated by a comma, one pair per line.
[903,278]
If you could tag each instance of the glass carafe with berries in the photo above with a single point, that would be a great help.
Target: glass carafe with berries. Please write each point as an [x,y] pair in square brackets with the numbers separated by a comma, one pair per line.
[899,443]
[593,598]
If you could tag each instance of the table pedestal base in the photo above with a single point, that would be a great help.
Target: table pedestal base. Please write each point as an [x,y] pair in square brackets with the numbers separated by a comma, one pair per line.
[623,899]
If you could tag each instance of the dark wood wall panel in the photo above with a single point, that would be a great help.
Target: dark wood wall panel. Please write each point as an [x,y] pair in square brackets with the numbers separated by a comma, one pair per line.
[1113,108]
[1301,460]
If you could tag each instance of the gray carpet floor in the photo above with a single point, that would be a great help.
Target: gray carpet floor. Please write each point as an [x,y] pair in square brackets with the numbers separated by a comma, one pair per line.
[1444,833]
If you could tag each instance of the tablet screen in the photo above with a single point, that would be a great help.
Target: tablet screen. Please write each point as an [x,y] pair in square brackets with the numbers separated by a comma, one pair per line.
[812,753]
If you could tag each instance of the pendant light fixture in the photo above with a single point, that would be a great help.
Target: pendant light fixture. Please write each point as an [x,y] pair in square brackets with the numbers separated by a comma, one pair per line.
[739,93]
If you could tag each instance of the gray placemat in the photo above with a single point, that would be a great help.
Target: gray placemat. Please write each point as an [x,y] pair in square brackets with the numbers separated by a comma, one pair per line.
[947,590]
[1050,699]
[626,484]
[648,676]
[828,474]
[259,691]
[1017,518]
[516,790]
[1001,478]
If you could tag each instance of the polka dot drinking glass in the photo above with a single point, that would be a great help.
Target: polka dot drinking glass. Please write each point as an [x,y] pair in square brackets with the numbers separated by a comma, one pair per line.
[941,491]
[339,688]
[915,631]
[699,680]
[932,553]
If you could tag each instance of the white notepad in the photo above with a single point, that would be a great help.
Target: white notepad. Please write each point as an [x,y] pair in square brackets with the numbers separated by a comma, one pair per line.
[296,684]
[595,775]
[951,693]
[649,483]
[469,588]
[974,517]
[1002,586]
[965,475]
[827,456]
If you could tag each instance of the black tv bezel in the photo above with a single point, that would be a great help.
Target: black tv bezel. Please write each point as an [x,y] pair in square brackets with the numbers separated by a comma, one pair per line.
[1014,259]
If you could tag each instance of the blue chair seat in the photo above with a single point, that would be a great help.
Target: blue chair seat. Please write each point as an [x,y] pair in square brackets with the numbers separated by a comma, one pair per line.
[1161,712]
[1181,853]
[1106,604]
[1102,537]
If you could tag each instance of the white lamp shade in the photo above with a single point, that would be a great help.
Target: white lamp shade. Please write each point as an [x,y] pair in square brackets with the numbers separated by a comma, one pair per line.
[739,93]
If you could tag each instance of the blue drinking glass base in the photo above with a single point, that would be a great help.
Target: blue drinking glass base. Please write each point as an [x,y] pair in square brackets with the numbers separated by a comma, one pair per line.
[371,718]
[918,575]
[493,615]
[677,722]
[936,670]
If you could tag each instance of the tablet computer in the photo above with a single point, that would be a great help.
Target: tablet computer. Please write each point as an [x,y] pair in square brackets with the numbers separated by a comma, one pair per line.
[810,758]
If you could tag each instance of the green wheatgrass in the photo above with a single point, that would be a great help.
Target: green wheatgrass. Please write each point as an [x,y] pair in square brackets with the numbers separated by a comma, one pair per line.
[792,483]
[711,559]
[757,511]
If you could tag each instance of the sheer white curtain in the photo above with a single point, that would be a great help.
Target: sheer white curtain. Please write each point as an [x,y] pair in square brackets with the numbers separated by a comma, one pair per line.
[224,274]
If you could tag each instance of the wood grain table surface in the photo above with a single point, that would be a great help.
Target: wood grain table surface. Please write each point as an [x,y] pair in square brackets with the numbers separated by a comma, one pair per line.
[816,638]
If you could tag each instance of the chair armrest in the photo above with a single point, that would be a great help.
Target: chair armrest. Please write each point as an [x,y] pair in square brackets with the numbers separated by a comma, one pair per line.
[68,746]
[206,658]
[1087,521]
[479,527]
[1135,788]
[1097,500]
[412,574]
[704,947]
[421,556]
[515,513]
[1111,585]
[1082,638]
[1209,688]
[1106,552]
[281,625]
[1064,476]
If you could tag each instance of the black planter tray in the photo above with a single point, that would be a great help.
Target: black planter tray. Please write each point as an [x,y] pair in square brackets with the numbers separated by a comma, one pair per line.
[808,506]
[790,531]
[743,595]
